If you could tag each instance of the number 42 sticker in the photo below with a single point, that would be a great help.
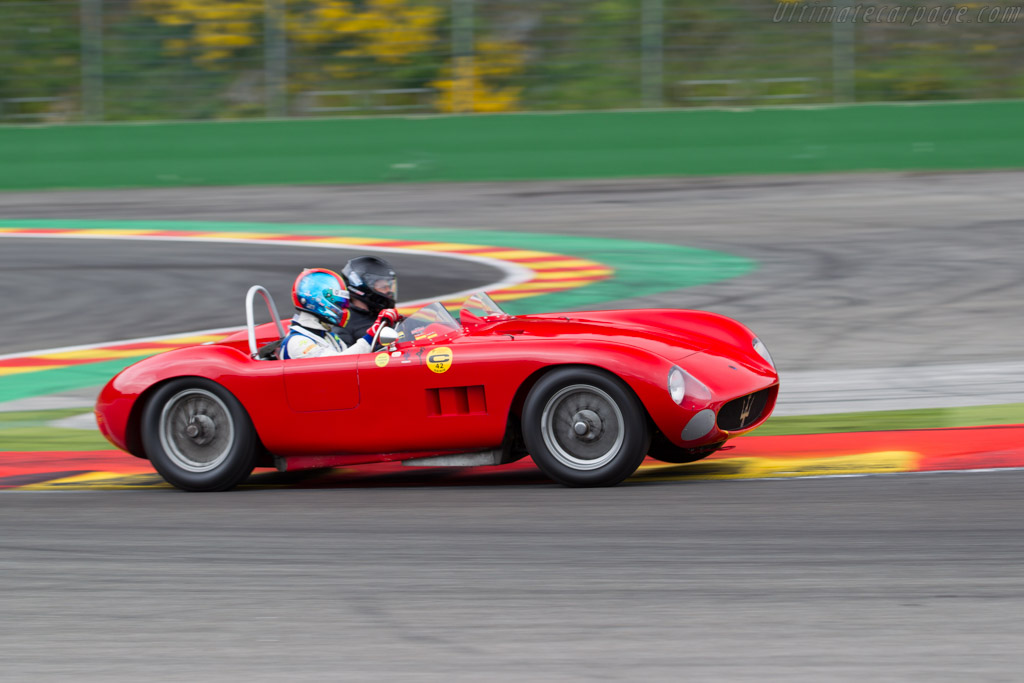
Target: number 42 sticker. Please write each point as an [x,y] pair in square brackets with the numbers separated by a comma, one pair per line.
[439,359]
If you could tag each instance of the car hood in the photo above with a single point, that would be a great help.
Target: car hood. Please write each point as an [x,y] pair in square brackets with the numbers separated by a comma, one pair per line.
[671,333]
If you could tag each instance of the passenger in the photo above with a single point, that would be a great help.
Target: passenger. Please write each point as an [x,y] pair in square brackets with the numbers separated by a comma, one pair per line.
[372,288]
[321,299]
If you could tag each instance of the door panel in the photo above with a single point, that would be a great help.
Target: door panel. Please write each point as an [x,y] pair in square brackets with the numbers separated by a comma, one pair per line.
[444,396]
[330,383]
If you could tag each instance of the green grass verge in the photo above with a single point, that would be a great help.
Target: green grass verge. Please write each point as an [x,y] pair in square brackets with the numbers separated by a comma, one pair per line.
[32,430]
[927,418]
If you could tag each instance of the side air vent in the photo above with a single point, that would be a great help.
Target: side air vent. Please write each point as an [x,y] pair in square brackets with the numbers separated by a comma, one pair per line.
[456,401]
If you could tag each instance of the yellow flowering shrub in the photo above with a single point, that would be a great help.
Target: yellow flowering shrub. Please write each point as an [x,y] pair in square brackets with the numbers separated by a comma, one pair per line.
[343,37]
[219,28]
[469,84]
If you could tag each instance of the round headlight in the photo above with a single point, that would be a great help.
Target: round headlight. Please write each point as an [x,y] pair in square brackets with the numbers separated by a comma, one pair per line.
[762,351]
[676,385]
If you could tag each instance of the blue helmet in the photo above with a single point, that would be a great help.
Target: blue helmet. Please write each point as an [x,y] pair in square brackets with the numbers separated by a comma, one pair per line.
[323,293]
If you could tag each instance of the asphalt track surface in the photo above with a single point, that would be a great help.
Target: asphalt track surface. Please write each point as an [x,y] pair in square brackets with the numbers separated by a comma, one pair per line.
[98,290]
[885,577]
[857,270]
[876,578]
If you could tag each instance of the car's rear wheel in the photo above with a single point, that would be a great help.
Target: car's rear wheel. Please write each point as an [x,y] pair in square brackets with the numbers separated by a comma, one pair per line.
[584,427]
[198,436]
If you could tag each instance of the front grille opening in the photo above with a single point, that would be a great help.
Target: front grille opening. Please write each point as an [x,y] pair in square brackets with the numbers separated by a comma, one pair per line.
[744,411]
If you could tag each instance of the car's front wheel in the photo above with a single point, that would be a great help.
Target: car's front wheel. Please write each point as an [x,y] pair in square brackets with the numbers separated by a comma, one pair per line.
[198,436]
[584,427]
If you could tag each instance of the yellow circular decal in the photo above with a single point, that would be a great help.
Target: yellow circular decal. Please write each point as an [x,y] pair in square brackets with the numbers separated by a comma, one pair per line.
[439,359]
[382,359]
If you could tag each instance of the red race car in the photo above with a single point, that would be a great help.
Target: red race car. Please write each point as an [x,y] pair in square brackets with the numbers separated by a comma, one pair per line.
[586,394]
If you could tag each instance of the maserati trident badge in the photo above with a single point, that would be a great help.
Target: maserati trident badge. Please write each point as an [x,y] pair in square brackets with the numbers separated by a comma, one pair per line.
[748,403]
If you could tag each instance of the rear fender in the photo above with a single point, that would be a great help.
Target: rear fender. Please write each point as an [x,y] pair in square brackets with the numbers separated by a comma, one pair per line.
[258,386]
[133,430]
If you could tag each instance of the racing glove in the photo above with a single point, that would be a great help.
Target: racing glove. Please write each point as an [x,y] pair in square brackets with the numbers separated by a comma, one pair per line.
[388,316]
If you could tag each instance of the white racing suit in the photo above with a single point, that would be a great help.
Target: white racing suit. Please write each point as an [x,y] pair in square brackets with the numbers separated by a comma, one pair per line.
[307,338]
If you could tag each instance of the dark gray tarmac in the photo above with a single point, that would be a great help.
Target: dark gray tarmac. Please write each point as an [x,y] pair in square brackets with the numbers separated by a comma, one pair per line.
[914,577]
[77,291]
[890,578]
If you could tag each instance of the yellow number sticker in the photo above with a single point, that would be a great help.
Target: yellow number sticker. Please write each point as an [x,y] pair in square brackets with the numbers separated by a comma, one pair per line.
[439,359]
[382,359]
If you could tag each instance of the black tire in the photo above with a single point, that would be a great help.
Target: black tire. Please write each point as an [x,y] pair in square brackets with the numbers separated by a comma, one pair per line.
[585,427]
[198,436]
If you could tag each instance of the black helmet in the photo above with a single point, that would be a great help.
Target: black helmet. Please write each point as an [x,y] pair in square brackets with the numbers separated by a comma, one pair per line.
[372,281]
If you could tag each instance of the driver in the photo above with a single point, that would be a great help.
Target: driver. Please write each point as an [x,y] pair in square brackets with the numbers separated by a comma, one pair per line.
[372,288]
[321,299]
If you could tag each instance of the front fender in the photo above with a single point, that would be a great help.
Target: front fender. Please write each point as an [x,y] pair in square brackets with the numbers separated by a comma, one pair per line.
[646,373]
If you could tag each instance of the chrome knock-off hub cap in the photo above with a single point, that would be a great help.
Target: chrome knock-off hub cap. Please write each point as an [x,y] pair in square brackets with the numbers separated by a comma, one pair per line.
[587,425]
[201,429]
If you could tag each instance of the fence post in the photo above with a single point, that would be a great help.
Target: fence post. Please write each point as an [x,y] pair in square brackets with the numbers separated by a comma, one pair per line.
[652,31]
[91,46]
[843,55]
[462,55]
[275,55]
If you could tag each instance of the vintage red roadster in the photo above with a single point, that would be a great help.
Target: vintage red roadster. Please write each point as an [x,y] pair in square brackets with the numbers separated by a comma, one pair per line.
[586,394]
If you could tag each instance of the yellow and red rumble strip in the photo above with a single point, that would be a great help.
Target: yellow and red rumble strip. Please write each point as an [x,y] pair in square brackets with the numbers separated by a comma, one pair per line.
[548,273]
[752,457]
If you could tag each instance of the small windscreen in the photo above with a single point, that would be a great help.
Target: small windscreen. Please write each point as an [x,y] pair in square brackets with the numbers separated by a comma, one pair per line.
[427,323]
[482,306]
